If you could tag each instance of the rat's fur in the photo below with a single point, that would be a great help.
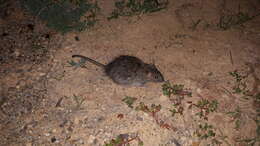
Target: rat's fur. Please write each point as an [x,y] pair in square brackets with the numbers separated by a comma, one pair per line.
[129,70]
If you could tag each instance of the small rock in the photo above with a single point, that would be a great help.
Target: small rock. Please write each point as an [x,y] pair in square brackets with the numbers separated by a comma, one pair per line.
[42,74]
[199,90]
[99,119]
[47,134]
[17,53]
[81,141]
[124,136]
[107,135]
[139,118]
[173,142]
[91,139]
[76,121]
[178,45]
[146,114]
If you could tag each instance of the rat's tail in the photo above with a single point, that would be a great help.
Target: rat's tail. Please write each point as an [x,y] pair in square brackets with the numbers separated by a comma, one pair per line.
[89,59]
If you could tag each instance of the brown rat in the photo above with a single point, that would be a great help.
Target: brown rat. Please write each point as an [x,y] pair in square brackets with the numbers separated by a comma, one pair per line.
[129,70]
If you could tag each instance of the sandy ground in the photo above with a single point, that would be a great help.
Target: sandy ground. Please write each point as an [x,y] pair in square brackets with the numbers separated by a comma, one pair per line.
[199,57]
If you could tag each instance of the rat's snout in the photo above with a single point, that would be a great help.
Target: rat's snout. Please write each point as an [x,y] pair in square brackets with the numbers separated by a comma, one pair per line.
[162,79]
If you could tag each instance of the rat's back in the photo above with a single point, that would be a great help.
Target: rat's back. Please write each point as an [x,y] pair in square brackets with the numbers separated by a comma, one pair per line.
[125,70]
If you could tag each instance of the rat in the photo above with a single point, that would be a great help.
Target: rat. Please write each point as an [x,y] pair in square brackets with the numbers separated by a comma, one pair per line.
[128,70]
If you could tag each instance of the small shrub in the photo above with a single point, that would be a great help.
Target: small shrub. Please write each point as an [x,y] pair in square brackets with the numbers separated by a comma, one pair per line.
[175,92]
[228,21]
[79,100]
[175,89]
[129,101]
[254,140]
[177,110]
[240,84]
[63,15]
[135,7]
[153,109]
[205,131]
[236,116]
[205,107]
[124,139]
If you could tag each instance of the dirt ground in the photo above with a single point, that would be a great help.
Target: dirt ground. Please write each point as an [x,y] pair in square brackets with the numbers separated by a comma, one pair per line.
[44,101]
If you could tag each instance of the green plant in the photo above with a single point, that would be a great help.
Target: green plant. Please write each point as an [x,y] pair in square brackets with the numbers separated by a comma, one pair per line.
[152,111]
[205,107]
[256,139]
[177,110]
[249,141]
[176,89]
[236,115]
[240,84]
[257,99]
[195,24]
[115,142]
[3,4]
[123,139]
[180,92]
[205,131]
[78,100]
[129,101]
[237,75]
[77,64]
[37,47]
[227,21]
[63,15]
[135,7]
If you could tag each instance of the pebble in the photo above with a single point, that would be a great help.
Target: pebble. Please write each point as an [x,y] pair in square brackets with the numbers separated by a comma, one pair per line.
[82,142]
[76,120]
[17,53]
[91,139]
[173,142]
[139,118]
[42,74]
[198,90]
[47,134]
[145,114]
